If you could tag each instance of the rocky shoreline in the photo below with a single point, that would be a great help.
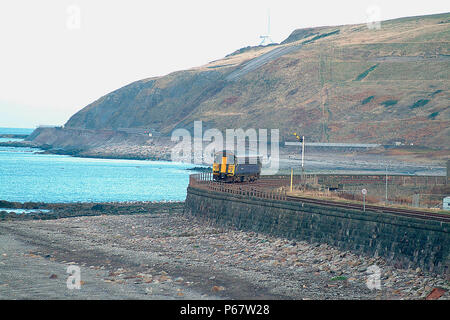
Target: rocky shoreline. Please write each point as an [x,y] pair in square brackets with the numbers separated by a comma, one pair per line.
[67,210]
[121,151]
[98,144]
[154,251]
[19,144]
[13,135]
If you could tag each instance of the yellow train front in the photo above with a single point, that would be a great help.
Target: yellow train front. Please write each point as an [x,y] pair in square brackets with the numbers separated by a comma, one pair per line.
[229,168]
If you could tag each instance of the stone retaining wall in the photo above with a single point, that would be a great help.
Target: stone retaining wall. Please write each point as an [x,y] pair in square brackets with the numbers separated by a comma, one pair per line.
[404,241]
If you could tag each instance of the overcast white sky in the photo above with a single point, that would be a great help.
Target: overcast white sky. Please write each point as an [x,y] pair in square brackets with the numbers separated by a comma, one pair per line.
[50,68]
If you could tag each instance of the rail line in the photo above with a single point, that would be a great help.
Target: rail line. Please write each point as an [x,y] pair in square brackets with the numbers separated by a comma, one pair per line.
[272,188]
[397,211]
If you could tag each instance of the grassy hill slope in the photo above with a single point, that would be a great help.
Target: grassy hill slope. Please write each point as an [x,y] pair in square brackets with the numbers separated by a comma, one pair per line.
[339,84]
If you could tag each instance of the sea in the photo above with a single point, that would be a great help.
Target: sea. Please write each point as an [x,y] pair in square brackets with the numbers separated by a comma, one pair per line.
[26,175]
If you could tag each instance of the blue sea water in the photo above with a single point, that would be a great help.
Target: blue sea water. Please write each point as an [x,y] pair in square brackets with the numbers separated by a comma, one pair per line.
[28,176]
[25,211]
[4,130]
[10,139]
[14,131]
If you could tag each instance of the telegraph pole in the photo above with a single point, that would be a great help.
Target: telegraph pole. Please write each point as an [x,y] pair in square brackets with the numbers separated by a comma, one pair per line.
[386,191]
[302,140]
[292,174]
[364,192]
[303,154]
[303,165]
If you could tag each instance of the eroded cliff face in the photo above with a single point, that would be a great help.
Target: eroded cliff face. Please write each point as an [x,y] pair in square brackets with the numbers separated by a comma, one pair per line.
[154,103]
[335,84]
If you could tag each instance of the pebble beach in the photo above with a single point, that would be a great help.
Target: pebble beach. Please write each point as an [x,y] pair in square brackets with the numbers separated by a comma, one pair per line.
[165,254]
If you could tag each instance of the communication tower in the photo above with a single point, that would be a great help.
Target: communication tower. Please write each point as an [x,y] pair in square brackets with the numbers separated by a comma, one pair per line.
[266,39]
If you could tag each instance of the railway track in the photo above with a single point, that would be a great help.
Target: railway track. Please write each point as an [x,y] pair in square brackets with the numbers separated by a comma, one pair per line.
[266,185]
[397,211]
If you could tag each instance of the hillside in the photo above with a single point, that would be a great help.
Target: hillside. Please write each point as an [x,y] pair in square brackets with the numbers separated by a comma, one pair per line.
[333,84]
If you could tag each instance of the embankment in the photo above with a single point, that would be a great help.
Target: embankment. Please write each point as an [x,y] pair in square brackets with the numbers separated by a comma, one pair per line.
[403,241]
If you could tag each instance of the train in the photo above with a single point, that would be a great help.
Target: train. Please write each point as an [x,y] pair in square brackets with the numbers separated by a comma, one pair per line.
[227,167]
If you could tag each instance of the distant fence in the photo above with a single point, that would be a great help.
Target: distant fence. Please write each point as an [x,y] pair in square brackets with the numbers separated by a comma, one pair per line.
[266,188]
[345,179]
[278,186]
[381,178]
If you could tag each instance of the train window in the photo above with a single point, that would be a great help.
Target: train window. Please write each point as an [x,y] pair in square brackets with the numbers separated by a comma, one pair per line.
[230,159]
[249,160]
[218,158]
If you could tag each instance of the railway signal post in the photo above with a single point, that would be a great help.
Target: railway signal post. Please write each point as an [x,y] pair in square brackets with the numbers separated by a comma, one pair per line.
[364,192]
[292,175]
[302,140]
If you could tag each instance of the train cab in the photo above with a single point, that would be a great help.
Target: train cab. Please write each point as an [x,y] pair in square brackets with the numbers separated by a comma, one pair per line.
[224,165]
[229,168]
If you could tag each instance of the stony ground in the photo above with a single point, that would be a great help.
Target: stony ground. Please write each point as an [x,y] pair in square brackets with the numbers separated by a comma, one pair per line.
[166,255]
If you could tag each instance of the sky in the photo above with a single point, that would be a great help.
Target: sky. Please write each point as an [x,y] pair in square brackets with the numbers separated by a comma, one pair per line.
[57,56]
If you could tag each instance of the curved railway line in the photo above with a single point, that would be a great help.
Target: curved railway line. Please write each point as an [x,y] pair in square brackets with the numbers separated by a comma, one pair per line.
[269,187]
[391,210]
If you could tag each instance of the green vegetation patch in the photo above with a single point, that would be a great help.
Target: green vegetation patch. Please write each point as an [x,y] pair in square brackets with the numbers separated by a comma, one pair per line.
[292,92]
[367,100]
[433,115]
[389,103]
[436,92]
[419,103]
[366,73]
[339,278]
[323,35]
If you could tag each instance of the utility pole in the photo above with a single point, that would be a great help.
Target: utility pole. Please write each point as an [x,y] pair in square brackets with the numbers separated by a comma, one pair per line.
[386,191]
[448,172]
[292,174]
[303,163]
[303,154]
[364,192]
[302,140]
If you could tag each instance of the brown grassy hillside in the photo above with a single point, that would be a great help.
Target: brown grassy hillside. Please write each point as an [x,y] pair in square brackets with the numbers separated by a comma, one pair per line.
[332,84]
